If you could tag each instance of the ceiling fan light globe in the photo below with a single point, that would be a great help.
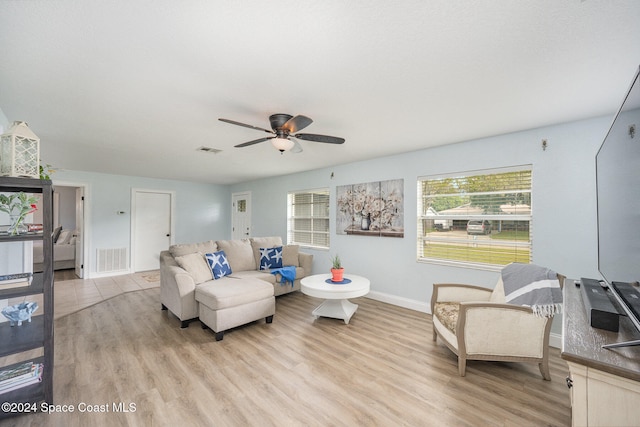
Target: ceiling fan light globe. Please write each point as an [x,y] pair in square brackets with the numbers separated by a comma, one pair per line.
[282,144]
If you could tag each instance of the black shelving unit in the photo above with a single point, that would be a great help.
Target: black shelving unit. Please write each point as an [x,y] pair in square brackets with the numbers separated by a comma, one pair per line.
[39,332]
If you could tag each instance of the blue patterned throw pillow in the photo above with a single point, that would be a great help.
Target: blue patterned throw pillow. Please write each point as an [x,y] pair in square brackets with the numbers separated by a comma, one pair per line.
[270,258]
[218,264]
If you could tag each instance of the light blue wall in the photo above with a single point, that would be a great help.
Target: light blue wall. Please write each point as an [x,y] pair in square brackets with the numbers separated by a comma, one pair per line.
[202,211]
[4,122]
[67,207]
[563,206]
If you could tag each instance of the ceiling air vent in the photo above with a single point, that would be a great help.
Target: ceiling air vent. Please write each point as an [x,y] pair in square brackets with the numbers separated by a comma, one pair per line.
[208,150]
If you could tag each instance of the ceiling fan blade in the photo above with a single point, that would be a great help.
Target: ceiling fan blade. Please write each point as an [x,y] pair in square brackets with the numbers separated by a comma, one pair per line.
[297,123]
[320,138]
[255,141]
[297,148]
[233,122]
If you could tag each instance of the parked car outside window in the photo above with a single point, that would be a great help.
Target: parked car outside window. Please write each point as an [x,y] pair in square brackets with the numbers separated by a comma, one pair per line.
[479,227]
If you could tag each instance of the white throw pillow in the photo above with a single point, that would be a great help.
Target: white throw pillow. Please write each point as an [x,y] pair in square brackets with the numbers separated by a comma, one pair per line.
[64,237]
[196,265]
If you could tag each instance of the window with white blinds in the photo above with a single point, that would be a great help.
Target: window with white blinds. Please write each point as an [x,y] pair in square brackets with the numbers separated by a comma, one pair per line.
[308,218]
[480,218]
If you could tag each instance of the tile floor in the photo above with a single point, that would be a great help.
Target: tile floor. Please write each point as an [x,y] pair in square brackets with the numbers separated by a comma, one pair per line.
[76,294]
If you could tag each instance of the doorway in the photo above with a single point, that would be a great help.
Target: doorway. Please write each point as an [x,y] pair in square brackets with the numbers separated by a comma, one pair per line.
[241,215]
[69,214]
[151,227]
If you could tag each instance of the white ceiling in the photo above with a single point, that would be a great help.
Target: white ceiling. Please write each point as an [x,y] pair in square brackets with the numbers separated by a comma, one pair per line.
[135,87]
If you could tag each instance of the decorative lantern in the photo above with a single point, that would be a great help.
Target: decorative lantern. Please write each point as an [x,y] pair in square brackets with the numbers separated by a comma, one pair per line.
[20,152]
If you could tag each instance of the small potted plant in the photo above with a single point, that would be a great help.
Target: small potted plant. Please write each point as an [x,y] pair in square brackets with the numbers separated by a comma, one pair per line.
[337,271]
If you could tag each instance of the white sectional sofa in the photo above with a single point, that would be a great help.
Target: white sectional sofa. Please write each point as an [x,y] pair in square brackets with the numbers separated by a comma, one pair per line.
[189,291]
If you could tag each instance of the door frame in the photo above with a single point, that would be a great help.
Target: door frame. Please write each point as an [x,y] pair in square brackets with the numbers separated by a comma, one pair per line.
[247,195]
[86,224]
[132,218]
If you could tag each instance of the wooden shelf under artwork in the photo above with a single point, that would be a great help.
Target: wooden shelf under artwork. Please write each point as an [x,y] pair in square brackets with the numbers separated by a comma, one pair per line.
[387,232]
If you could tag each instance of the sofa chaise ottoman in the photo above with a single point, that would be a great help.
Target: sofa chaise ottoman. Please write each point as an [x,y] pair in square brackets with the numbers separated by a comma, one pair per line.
[230,302]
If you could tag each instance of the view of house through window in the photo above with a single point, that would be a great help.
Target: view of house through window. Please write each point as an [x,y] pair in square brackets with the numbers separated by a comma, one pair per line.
[478,218]
[308,218]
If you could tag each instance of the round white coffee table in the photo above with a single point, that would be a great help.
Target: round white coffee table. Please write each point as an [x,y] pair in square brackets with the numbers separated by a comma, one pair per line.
[336,304]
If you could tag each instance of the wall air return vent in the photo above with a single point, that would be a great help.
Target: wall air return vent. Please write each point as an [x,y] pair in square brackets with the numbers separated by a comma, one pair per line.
[112,260]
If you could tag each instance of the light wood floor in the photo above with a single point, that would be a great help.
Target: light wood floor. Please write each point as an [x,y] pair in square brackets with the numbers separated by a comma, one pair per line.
[381,369]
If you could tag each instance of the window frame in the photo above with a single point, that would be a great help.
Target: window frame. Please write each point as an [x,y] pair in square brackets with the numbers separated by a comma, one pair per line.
[291,233]
[475,248]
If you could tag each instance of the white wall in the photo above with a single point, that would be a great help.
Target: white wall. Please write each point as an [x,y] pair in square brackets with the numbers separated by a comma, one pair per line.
[563,206]
[202,211]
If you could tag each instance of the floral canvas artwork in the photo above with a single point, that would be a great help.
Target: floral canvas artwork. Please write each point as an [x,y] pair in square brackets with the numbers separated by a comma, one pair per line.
[372,209]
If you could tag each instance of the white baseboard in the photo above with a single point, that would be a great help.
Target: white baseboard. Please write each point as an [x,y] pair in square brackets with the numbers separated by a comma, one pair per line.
[400,301]
[95,275]
[555,340]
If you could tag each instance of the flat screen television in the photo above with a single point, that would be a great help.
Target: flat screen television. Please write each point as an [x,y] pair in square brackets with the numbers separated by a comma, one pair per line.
[618,200]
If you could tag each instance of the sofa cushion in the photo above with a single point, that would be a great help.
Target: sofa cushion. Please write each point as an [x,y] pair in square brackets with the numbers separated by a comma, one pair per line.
[447,314]
[270,258]
[239,254]
[218,264]
[267,276]
[290,255]
[256,274]
[231,292]
[203,248]
[263,242]
[196,266]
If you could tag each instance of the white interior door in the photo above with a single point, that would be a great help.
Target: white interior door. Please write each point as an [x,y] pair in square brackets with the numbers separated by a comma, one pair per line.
[79,232]
[152,227]
[241,215]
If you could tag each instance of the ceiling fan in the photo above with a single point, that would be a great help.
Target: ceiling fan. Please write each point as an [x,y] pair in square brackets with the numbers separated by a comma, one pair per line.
[283,128]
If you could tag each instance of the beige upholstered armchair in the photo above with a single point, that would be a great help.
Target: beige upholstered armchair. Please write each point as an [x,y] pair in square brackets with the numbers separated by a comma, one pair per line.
[477,324]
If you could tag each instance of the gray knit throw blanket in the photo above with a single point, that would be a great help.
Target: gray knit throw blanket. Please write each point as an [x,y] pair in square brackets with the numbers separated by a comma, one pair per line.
[533,286]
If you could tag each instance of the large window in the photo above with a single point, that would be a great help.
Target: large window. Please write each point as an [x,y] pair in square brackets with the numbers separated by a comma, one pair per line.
[308,218]
[480,218]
